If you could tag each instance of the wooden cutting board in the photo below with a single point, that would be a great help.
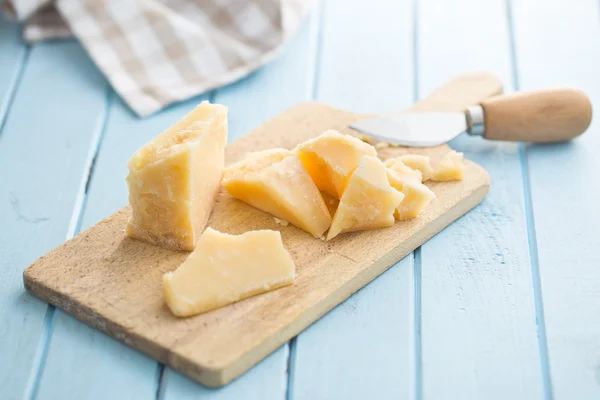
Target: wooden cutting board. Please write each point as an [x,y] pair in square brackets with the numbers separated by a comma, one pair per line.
[114,283]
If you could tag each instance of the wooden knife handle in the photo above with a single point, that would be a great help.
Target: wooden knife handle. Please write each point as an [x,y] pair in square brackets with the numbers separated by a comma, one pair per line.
[551,115]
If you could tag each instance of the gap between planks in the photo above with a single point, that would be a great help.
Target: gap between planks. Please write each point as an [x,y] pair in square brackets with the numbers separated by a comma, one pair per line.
[16,82]
[417,311]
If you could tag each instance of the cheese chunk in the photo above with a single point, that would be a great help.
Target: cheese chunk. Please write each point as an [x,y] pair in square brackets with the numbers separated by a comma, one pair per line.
[331,158]
[174,179]
[226,268]
[420,163]
[395,164]
[416,195]
[275,181]
[450,168]
[368,201]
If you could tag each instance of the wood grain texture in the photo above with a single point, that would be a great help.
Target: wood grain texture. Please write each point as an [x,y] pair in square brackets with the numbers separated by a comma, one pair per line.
[335,357]
[565,193]
[478,319]
[546,115]
[114,283]
[41,179]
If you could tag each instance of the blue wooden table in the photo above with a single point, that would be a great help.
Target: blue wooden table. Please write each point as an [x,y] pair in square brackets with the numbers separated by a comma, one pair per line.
[503,304]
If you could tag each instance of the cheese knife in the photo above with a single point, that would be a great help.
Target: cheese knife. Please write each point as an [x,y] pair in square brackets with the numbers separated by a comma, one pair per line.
[550,115]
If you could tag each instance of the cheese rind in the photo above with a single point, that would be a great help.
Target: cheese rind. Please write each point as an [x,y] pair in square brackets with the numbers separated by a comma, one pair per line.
[416,195]
[368,202]
[331,158]
[174,179]
[227,268]
[275,181]
[450,168]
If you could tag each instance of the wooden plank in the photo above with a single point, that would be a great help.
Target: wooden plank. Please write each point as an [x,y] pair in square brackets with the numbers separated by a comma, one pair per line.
[102,277]
[13,53]
[564,192]
[44,148]
[478,321]
[251,102]
[336,356]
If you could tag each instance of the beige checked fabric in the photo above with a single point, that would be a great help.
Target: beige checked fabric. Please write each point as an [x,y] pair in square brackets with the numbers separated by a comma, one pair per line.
[156,52]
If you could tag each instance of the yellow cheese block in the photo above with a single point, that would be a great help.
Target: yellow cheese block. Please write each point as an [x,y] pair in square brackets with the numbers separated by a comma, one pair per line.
[226,268]
[275,181]
[174,179]
[416,195]
[450,168]
[395,164]
[368,201]
[331,158]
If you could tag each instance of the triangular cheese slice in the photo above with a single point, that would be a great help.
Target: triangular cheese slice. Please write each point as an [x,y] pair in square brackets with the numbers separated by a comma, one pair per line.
[331,158]
[174,179]
[368,201]
[275,181]
[226,268]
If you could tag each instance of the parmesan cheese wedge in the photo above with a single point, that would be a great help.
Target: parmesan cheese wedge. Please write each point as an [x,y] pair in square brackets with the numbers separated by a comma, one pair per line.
[368,202]
[226,268]
[331,158]
[275,181]
[174,179]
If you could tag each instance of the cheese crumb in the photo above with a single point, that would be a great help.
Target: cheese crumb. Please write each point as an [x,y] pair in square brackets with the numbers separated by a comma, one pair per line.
[281,222]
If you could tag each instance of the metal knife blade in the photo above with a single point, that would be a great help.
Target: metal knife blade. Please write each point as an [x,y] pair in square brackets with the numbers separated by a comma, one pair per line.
[415,129]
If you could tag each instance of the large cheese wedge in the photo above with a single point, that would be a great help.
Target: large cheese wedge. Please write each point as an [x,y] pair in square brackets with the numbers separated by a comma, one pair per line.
[275,181]
[174,179]
[416,195]
[395,164]
[226,268]
[331,158]
[368,202]
[450,168]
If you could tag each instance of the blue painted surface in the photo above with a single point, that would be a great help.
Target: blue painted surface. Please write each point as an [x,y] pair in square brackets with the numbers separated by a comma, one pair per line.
[502,304]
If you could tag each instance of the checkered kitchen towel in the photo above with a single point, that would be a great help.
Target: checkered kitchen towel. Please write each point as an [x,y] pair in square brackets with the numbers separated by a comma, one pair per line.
[156,52]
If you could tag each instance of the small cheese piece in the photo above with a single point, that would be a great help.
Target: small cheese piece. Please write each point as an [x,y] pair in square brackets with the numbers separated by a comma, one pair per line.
[226,268]
[416,195]
[450,168]
[331,158]
[395,164]
[275,181]
[368,201]
[174,179]
[420,163]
